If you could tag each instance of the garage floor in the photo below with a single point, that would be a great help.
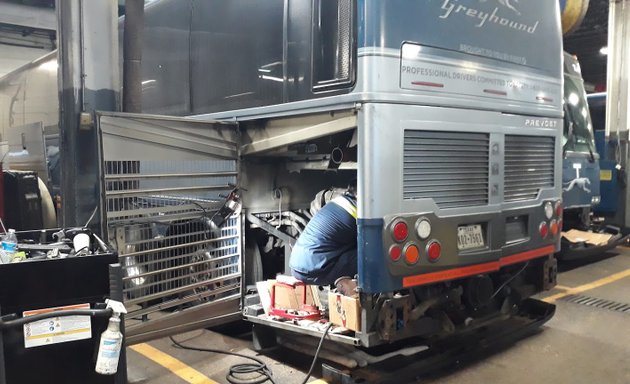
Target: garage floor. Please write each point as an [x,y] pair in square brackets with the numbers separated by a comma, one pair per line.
[587,341]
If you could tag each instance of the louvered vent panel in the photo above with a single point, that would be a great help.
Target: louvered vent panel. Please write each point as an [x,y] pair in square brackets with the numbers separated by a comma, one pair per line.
[529,166]
[449,167]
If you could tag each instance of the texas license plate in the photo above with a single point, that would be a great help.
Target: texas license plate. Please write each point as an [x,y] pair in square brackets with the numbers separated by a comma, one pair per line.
[469,236]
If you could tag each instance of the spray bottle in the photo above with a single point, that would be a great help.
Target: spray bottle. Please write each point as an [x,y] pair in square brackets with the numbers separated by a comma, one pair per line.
[111,341]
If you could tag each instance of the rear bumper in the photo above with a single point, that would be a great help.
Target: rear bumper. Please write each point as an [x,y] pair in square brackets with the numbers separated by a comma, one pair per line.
[458,273]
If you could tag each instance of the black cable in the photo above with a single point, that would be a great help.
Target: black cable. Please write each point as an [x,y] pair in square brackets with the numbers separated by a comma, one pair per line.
[10,323]
[238,369]
[508,281]
[319,347]
[261,368]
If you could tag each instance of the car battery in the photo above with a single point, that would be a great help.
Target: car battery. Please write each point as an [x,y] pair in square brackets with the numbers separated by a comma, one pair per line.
[58,349]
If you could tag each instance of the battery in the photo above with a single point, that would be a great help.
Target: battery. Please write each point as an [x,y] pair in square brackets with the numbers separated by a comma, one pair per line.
[33,354]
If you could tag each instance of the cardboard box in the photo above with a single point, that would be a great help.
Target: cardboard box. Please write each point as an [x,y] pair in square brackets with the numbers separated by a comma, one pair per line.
[596,239]
[344,311]
[286,297]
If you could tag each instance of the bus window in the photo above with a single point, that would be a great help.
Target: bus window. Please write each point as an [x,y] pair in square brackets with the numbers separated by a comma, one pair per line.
[333,44]
[578,129]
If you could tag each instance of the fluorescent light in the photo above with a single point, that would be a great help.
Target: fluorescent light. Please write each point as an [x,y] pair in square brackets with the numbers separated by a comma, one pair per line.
[51,66]
[603,51]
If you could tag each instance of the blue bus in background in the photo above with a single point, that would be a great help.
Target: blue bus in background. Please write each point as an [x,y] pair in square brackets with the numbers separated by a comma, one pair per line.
[590,190]
[580,165]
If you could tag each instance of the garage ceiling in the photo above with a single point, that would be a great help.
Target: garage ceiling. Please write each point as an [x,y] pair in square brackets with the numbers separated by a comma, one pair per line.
[27,32]
[586,42]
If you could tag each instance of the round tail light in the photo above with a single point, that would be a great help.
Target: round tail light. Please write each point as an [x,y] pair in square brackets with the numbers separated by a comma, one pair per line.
[395,253]
[412,254]
[559,209]
[549,210]
[543,229]
[423,228]
[554,227]
[434,251]
[400,231]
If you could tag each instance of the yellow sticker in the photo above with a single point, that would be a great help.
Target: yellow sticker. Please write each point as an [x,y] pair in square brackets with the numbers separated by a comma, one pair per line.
[605,175]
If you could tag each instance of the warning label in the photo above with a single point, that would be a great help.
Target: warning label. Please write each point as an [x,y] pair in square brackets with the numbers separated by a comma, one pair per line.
[57,330]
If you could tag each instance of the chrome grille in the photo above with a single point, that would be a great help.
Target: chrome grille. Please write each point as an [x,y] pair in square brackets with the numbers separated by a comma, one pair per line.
[449,167]
[529,166]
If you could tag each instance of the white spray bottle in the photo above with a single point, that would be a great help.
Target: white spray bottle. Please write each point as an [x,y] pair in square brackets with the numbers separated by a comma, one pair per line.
[111,341]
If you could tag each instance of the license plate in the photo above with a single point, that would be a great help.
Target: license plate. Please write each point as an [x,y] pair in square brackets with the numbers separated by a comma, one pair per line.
[469,237]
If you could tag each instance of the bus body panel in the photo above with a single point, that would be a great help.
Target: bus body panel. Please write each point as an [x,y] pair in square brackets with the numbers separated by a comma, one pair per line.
[384,182]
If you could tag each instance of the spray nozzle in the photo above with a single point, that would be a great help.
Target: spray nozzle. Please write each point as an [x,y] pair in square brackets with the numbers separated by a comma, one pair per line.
[117,307]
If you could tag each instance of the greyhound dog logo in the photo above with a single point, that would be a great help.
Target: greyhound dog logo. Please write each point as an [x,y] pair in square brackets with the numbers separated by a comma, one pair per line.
[582,183]
[507,3]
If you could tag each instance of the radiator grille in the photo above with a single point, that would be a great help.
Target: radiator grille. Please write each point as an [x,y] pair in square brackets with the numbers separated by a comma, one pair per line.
[529,166]
[449,167]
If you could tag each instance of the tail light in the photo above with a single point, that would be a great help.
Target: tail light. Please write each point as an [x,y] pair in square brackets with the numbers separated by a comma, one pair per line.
[434,251]
[549,210]
[554,227]
[423,228]
[395,253]
[412,254]
[543,229]
[400,231]
[559,209]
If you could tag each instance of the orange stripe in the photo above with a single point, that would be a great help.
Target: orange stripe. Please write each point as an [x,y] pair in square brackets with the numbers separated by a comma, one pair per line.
[457,273]
[525,256]
[450,274]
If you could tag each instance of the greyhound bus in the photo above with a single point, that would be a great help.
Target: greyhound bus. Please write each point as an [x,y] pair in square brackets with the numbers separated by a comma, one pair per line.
[448,114]
[445,115]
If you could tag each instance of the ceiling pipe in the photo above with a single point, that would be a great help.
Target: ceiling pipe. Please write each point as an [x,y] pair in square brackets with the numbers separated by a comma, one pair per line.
[132,55]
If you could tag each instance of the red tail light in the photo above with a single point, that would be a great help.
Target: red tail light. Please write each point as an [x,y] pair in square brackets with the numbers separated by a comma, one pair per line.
[412,254]
[543,229]
[434,251]
[395,253]
[559,209]
[400,231]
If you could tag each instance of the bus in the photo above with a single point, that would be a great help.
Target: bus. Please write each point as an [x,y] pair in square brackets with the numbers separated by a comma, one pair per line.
[585,197]
[445,115]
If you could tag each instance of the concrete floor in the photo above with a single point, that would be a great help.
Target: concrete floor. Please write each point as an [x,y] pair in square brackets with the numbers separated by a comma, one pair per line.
[581,344]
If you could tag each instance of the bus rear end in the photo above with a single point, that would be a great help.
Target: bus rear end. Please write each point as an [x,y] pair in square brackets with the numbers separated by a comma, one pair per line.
[460,146]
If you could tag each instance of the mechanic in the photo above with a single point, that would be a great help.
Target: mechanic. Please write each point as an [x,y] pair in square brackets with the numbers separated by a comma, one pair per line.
[327,249]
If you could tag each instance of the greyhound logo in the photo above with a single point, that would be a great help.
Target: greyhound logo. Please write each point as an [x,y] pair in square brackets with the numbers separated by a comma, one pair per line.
[582,182]
[508,4]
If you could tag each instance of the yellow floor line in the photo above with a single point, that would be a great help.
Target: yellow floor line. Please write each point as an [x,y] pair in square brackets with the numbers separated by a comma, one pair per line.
[189,374]
[587,287]
[319,381]
[562,287]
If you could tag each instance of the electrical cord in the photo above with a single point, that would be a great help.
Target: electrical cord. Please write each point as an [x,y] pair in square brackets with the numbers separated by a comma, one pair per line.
[237,370]
[319,347]
[248,368]
[508,281]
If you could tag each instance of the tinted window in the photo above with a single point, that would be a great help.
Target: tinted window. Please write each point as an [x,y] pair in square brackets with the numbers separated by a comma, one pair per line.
[236,54]
[333,43]
[578,129]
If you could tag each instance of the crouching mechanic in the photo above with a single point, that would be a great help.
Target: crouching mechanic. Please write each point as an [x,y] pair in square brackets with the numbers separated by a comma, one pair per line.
[327,248]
